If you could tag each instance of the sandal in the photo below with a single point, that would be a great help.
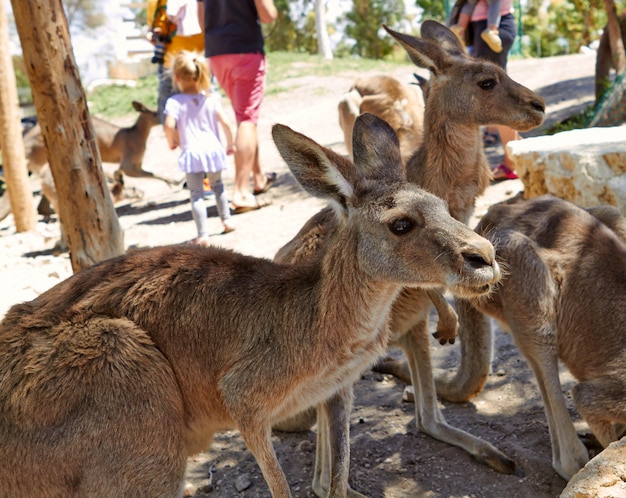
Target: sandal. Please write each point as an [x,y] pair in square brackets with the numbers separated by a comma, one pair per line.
[503,172]
[260,203]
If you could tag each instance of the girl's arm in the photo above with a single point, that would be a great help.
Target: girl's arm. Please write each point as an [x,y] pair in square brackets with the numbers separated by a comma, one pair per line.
[171,134]
[230,145]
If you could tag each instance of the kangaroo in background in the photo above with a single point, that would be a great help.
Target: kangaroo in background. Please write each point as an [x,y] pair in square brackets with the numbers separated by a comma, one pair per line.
[112,378]
[116,144]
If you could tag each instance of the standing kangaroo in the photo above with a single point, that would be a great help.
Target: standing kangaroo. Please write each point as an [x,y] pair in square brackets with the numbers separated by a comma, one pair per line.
[462,94]
[112,378]
[563,298]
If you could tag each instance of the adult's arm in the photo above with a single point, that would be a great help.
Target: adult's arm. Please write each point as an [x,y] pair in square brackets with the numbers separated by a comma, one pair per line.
[266,10]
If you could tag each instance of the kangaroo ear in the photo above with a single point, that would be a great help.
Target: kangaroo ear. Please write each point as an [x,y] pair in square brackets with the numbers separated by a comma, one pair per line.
[321,172]
[443,36]
[429,54]
[376,149]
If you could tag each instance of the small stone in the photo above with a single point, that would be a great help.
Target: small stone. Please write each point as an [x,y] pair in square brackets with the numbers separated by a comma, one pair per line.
[305,446]
[408,394]
[242,483]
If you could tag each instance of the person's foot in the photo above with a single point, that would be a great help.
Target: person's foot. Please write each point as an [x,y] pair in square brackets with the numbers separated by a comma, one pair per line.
[259,202]
[200,241]
[503,172]
[270,178]
[492,39]
[228,229]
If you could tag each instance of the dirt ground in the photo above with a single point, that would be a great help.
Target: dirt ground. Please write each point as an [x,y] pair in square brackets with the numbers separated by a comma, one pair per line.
[390,457]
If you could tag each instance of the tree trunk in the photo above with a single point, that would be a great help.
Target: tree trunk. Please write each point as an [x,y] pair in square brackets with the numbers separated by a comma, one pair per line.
[323,41]
[615,37]
[86,210]
[13,158]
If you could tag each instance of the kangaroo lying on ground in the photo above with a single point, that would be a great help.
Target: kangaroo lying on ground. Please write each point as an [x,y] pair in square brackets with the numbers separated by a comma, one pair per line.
[112,378]
[401,105]
[563,297]
[462,94]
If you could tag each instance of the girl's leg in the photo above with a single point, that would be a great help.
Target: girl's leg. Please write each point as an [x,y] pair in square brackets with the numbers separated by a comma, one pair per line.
[221,199]
[491,35]
[493,14]
[198,208]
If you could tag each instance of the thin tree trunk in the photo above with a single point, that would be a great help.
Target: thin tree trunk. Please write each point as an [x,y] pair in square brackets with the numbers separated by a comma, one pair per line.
[615,37]
[89,221]
[13,158]
[323,41]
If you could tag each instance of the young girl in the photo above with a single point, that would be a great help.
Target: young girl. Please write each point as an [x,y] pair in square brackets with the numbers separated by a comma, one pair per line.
[191,122]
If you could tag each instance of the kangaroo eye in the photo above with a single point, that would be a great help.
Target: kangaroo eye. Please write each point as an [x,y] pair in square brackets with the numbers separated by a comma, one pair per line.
[487,84]
[401,226]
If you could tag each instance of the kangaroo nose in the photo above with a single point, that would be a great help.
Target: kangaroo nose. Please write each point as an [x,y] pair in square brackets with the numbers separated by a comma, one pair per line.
[475,260]
[538,105]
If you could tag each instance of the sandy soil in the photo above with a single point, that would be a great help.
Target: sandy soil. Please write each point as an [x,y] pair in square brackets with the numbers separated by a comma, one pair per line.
[390,457]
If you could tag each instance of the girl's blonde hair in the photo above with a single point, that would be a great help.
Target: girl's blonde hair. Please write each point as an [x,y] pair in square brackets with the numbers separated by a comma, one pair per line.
[191,67]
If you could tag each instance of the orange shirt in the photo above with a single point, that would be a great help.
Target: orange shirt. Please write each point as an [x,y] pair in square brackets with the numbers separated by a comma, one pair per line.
[178,43]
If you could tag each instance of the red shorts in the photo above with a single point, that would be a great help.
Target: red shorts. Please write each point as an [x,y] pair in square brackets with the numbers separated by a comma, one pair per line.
[242,77]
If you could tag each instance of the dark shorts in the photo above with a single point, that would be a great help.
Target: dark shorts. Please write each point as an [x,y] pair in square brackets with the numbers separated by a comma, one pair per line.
[242,77]
[507,30]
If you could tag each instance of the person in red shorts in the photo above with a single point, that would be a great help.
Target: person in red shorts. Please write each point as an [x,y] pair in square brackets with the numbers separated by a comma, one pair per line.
[235,49]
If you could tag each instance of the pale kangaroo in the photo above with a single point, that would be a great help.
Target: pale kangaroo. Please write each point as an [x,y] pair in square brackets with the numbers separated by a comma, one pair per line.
[112,378]
[462,94]
[401,105]
[562,297]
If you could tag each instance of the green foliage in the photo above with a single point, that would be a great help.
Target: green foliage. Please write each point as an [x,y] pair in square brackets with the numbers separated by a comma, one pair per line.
[577,22]
[115,100]
[281,35]
[435,9]
[21,79]
[287,35]
[577,121]
[364,23]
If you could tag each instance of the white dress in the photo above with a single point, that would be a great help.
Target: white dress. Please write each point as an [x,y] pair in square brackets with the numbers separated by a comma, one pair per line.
[197,125]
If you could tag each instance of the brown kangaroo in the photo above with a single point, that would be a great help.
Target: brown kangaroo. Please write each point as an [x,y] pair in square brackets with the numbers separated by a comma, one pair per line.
[116,144]
[462,94]
[112,378]
[563,298]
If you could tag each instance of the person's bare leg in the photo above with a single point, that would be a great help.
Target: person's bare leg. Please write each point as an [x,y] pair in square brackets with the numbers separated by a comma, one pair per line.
[246,153]
[257,173]
[506,135]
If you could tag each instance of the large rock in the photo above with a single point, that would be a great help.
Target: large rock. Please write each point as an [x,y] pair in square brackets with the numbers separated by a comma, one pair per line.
[586,167]
[603,477]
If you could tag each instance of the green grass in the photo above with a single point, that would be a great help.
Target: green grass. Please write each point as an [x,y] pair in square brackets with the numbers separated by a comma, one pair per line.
[115,101]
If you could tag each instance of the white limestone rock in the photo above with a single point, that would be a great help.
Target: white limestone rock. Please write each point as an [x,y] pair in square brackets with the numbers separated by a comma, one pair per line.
[586,167]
